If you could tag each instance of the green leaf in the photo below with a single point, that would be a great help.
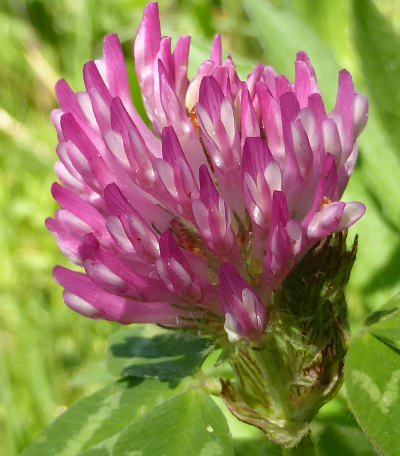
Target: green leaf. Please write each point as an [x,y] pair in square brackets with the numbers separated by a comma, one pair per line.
[386,323]
[374,279]
[189,424]
[336,439]
[372,376]
[99,417]
[329,19]
[378,46]
[336,431]
[94,374]
[96,452]
[256,447]
[391,308]
[380,171]
[151,352]
[104,448]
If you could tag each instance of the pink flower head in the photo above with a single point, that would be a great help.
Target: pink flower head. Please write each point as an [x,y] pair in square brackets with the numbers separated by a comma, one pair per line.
[196,220]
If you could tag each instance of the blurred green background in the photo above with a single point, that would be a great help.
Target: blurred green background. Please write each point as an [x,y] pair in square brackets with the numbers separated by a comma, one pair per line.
[50,356]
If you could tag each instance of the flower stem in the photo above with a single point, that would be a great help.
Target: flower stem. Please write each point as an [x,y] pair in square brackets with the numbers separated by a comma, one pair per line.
[305,448]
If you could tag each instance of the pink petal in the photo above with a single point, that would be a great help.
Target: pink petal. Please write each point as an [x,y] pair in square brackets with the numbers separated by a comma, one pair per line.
[351,214]
[84,297]
[240,306]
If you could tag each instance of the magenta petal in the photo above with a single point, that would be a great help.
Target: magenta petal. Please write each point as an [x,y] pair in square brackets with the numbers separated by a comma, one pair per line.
[112,274]
[302,149]
[94,80]
[178,119]
[208,193]
[327,188]
[256,157]
[172,106]
[292,182]
[84,297]
[282,86]
[181,62]
[80,208]
[249,122]
[73,132]
[147,46]
[345,109]
[68,242]
[289,110]
[116,202]
[272,122]
[69,102]
[306,82]
[136,150]
[116,69]
[130,227]
[253,78]
[332,140]
[134,236]
[360,113]
[281,248]
[176,173]
[245,316]
[211,97]
[316,103]
[192,94]
[213,220]
[69,179]
[280,212]
[351,214]
[326,221]
[216,52]
[261,175]
[119,84]
[174,270]
[148,38]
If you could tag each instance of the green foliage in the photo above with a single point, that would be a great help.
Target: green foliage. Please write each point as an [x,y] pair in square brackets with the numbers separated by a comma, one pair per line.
[378,47]
[346,440]
[153,417]
[95,419]
[256,447]
[150,352]
[372,378]
[282,35]
[124,418]
[189,424]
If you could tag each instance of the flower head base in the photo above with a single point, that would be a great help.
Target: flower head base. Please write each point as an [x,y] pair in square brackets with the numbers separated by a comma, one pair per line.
[243,174]
[283,378]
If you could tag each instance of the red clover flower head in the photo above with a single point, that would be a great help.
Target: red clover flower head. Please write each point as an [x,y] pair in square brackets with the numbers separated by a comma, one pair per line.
[196,220]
